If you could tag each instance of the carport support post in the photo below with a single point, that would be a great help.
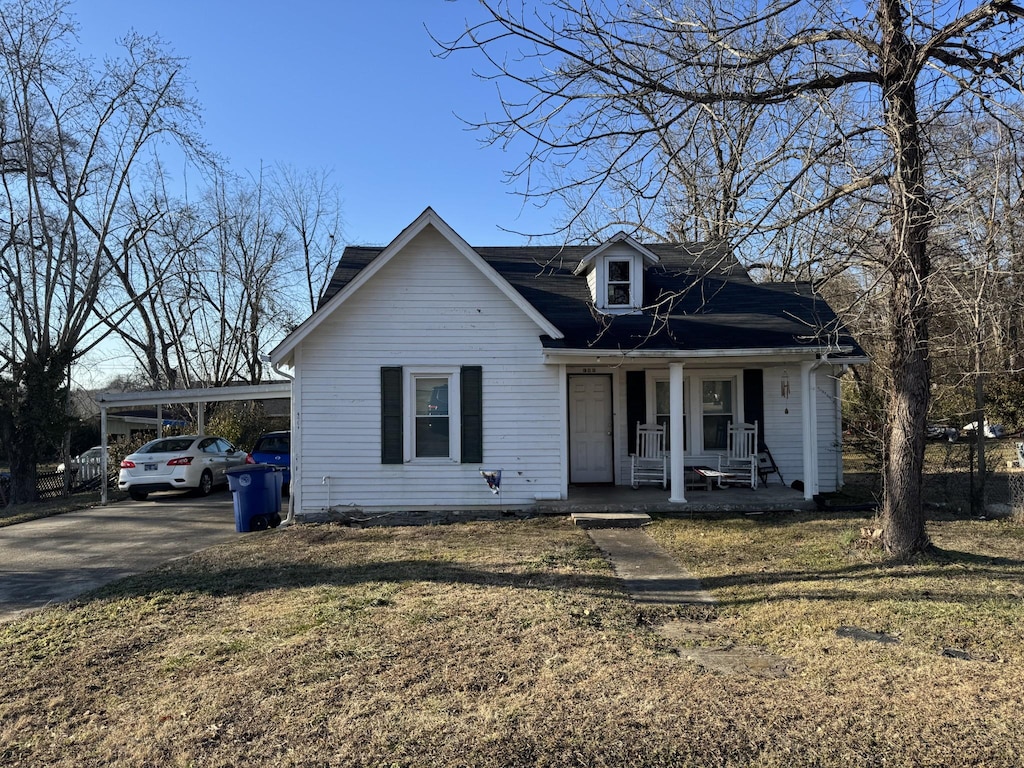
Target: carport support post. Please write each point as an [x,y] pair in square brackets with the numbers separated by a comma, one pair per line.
[103,455]
[677,493]
[200,418]
[159,421]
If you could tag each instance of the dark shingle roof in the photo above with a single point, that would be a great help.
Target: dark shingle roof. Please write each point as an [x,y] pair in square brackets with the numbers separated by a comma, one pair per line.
[701,298]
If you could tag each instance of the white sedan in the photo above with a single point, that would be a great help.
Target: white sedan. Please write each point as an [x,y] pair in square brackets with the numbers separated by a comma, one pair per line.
[188,462]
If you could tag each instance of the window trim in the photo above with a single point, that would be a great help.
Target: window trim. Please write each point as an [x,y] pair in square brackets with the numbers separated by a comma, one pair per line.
[452,375]
[735,377]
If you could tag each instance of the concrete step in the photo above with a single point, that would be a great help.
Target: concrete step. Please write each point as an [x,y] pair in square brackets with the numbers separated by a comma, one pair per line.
[610,519]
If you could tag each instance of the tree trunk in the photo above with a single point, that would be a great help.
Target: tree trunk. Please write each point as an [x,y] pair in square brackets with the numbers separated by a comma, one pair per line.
[903,508]
[33,415]
[978,498]
[24,474]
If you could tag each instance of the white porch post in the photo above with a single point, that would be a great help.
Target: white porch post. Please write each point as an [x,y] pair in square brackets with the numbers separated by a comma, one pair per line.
[675,411]
[563,426]
[809,403]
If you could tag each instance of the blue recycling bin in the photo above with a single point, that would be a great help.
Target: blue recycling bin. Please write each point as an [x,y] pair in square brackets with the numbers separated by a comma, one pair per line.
[256,492]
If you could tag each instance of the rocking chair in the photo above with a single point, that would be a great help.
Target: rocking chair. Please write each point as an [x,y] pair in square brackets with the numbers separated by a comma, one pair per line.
[650,462]
[739,465]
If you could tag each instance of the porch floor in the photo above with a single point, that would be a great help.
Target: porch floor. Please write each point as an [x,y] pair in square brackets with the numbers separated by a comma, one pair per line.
[652,498]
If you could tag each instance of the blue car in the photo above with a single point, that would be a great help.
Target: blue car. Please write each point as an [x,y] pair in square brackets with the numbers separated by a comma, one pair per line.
[274,448]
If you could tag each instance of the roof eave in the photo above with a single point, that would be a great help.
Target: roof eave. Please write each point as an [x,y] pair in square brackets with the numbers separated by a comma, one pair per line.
[824,354]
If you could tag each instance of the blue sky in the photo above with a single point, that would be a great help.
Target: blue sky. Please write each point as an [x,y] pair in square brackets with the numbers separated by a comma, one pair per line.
[347,85]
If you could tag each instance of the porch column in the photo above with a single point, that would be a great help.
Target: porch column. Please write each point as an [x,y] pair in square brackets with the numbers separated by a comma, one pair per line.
[809,403]
[675,412]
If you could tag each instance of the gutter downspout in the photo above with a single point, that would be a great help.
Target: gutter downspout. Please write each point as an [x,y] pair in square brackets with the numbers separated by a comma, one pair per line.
[289,519]
[840,469]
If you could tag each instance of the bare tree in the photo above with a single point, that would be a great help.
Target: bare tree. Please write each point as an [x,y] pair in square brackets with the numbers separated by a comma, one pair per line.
[160,271]
[71,138]
[243,307]
[309,207]
[978,275]
[580,76]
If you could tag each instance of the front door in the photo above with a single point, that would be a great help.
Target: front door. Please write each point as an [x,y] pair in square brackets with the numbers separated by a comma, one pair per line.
[590,428]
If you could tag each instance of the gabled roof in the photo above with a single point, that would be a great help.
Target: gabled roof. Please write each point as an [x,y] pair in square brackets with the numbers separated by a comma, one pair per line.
[354,272]
[619,237]
[697,297]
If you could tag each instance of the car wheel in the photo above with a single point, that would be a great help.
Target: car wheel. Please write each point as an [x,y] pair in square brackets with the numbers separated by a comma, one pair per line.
[205,483]
[259,523]
[138,495]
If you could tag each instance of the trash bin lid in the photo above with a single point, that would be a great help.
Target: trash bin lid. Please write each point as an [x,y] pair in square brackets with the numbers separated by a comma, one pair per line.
[244,469]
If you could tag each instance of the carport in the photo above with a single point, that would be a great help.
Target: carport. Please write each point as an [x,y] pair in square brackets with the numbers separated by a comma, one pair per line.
[200,397]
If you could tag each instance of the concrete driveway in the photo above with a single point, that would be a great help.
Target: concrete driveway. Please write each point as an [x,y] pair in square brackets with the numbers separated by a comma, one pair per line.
[57,558]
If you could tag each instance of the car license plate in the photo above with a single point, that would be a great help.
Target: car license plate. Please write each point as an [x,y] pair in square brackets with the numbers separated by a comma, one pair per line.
[150,467]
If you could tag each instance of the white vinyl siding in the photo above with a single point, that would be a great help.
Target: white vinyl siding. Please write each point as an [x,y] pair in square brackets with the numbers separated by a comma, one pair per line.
[428,309]
[783,432]
[829,441]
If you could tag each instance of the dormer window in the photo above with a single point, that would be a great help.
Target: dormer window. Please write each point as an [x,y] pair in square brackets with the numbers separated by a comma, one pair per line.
[619,291]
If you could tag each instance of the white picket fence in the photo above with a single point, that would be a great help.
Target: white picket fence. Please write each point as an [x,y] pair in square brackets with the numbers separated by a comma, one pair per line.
[88,469]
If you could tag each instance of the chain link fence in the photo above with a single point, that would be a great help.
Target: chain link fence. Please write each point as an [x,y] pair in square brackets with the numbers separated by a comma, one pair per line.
[1016,482]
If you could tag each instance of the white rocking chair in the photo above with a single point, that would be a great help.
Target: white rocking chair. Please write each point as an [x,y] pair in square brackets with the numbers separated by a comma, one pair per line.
[650,462]
[740,465]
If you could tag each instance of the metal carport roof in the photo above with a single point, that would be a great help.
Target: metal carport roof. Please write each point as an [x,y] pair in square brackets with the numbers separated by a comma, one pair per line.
[277,389]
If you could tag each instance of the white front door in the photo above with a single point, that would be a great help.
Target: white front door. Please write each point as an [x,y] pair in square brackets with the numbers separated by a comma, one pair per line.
[590,428]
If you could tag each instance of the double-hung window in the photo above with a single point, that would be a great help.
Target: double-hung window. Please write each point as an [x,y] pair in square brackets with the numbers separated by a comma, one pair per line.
[431,414]
[619,283]
[661,411]
[718,410]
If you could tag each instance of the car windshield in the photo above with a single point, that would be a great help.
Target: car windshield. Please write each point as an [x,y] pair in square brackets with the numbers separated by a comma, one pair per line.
[272,444]
[168,445]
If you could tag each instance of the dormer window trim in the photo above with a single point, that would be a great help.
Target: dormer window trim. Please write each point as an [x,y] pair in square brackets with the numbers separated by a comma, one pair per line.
[616,282]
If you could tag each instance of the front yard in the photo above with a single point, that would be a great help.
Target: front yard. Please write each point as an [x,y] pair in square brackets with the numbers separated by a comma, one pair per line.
[486,644]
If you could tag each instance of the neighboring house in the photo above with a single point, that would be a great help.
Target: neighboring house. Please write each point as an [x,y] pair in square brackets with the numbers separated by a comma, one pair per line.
[429,360]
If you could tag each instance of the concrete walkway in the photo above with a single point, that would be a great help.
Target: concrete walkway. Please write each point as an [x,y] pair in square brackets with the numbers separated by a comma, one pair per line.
[648,572]
[58,558]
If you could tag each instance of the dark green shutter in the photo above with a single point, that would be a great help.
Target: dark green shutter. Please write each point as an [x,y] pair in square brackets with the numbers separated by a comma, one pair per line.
[753,401]
[472,410]
[636,405]
[391,448]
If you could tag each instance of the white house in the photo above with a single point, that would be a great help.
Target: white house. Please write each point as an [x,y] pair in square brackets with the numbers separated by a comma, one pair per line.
[430,360]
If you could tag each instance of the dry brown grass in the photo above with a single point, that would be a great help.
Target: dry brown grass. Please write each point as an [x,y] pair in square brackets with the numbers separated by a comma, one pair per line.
[492,644]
